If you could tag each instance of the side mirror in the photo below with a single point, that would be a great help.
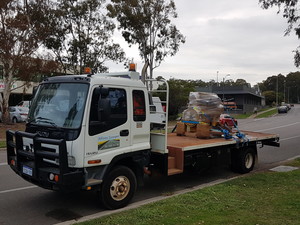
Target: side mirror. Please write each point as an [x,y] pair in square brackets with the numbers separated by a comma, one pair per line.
[34,90]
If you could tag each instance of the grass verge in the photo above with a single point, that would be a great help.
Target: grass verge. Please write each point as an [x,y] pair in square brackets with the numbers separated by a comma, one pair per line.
[2,144]
[241,116]
[4,127]
[267,113]
[262,198]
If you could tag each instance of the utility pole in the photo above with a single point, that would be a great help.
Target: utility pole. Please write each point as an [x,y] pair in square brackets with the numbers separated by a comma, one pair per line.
[228,75]
[277,92]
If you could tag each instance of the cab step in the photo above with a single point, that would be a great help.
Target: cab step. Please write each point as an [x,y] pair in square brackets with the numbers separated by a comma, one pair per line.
[174,171]
[175,161]
[92,182]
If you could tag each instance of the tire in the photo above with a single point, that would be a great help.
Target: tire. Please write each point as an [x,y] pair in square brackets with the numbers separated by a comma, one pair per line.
[118,188]
[14,120]
[244,160]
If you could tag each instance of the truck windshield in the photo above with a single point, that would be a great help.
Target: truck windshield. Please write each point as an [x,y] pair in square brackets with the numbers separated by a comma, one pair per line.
[58,105]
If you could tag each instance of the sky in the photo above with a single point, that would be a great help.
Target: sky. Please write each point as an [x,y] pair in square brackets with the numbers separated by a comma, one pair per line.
[235,37]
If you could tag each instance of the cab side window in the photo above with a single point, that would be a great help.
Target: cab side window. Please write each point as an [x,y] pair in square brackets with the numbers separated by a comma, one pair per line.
[139,106]
[118,111]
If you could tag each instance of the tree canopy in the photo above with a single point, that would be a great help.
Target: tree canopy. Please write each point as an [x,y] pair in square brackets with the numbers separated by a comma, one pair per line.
[287,88]
[35,35]
[80,35]
[147,23]
[20,38]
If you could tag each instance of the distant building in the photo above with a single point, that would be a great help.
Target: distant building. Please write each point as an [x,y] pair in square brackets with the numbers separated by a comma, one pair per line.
[245,98]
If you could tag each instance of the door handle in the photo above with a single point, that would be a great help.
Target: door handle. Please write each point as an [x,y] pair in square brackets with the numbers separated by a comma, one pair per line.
[124,133]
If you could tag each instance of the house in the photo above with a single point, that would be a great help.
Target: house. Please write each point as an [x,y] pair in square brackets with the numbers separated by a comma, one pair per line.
[245,98]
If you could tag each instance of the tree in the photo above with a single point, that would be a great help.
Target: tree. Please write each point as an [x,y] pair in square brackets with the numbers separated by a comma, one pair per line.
[241,82]
[292,87]
[290,10]
[80,35]
[179,91]
[288,88]
[273,83]
[20,37]
[270,97]
[147,23]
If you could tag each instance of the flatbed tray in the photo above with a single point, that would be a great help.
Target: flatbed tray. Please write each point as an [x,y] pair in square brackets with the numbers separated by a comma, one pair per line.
[190,142]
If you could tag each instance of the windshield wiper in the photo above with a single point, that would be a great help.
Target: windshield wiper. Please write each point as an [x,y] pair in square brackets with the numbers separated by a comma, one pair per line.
[43,120]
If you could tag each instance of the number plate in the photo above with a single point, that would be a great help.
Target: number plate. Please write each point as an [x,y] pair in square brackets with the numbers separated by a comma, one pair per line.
[27,170]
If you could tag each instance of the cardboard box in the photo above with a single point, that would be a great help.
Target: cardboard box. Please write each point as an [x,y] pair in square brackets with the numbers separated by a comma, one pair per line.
[180,129]
[203,131]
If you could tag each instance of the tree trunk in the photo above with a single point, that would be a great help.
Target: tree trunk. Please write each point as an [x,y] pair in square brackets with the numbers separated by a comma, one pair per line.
[144,72]
[5,98]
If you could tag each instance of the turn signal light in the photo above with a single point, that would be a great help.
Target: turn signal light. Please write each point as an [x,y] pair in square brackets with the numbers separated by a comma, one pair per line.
[12,162]
[94,161]
[53,177]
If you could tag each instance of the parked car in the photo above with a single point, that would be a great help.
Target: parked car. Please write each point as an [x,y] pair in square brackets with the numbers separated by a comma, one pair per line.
[24,104]
[18,114]
[282,109]
[226,119]
[157,115]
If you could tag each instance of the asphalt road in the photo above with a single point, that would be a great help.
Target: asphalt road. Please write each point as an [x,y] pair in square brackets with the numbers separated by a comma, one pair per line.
[24,203]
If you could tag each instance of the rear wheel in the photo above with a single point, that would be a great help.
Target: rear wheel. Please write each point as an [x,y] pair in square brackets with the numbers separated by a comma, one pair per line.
[118,188]
[244,160]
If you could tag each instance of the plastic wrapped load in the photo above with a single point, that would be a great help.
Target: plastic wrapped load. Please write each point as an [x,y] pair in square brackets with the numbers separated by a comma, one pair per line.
[203,107]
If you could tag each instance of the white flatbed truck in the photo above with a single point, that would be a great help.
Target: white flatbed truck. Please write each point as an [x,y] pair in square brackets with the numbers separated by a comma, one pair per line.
[93,132]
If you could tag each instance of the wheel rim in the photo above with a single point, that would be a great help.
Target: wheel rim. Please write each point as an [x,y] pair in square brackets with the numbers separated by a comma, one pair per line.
[119,188]
[249,160]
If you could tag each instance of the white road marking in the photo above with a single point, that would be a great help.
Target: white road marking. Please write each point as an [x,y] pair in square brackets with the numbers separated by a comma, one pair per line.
[17,189]
[272,128]
[288,138]
[3,164]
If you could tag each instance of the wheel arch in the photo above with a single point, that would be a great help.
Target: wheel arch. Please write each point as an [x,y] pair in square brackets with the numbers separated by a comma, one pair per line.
[136,161]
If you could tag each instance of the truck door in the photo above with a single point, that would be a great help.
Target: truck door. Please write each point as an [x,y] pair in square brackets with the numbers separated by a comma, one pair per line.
[109,135]
[140,125]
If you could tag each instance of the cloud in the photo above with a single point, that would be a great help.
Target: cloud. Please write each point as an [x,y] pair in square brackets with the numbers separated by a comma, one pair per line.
[230,36]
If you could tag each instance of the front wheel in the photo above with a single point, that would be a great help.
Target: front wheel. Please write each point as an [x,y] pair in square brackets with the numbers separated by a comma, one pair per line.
[118,188]
[14,120]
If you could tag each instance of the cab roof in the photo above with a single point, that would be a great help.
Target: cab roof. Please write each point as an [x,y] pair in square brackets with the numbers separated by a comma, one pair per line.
[128,79]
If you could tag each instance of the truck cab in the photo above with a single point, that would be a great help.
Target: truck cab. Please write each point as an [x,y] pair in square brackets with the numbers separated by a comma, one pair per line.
[79,128]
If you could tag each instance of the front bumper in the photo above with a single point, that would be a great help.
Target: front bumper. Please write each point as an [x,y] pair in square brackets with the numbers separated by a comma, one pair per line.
[35,166]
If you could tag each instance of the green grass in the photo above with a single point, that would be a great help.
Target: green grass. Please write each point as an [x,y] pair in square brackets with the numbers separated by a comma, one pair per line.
[262,198]
[267,114]
[2,144]
[261,112]
[241,116]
